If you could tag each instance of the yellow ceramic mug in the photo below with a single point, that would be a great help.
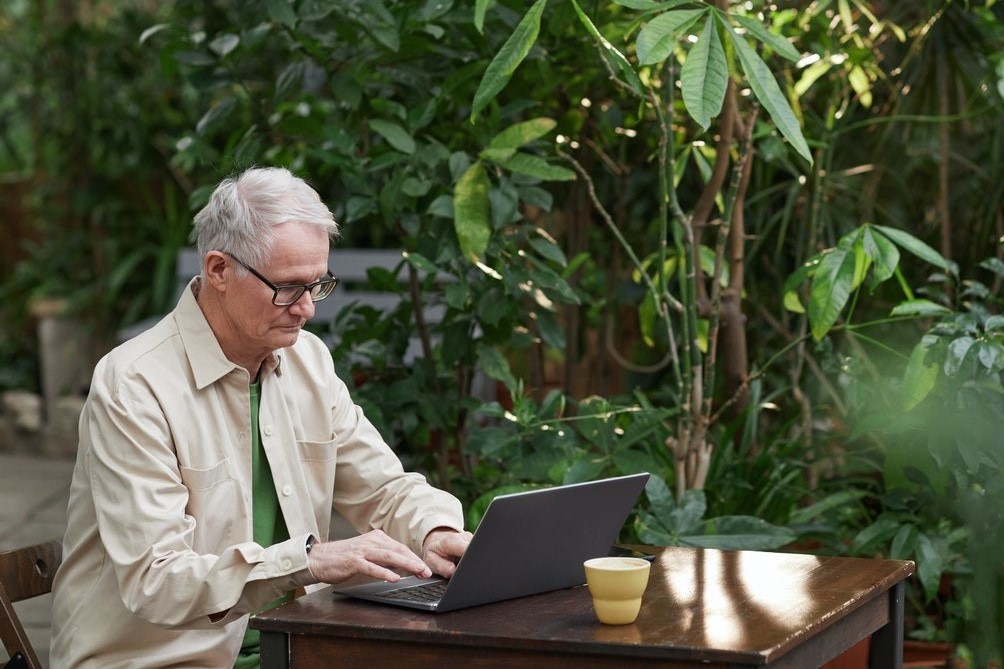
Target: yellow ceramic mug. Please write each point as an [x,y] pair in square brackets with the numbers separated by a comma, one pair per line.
[617,585]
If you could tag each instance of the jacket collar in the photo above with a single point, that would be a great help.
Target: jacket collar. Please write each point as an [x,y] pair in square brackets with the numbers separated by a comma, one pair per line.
[207,360]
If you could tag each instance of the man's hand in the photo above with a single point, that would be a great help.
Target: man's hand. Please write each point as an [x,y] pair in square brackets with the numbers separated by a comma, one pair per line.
[372,554]
[443,548]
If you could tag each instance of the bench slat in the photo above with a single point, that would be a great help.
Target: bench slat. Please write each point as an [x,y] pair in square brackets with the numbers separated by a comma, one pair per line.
[348,264]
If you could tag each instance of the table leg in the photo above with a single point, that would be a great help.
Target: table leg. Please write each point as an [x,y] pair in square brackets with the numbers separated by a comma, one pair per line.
[887,641]
[274,650]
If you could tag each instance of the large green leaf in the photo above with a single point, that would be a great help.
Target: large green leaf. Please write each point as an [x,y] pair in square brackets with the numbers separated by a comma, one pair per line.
[216,115]
[921,308]
[994,325]
[873,538]
[614,58]
[508,58]
[990,355]
[542,277]
[932,561]
[779,44]
[683,525]
[471,217]
[704,77]
[378,21]
[904,543]
[315,10]
[495,365]
[658,493]
[883,253]
[282,11]
[908,242]
[687,516]
[769,93]
[521,134]
[395,135]
[643,5]
[290,80]
[535,166]
[791,300]
[825,506]
[958,349]
[224,44]
[832,285]
[480,9]
[549,249]
[659,36]
[746,533]
[551,332]
[995,265]
[920,376]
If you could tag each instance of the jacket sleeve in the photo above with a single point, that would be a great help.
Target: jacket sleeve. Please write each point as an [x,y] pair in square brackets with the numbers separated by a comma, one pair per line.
[372,490]
[142,496]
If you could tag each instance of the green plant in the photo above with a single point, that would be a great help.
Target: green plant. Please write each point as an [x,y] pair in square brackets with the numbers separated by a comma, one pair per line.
[91,117]
[348,94]
[372,103]
[933,417]
[534,444]
[756,494]
[942,450]
[707,306]
[20,368]
[670,522]
[550,442]
[764,475]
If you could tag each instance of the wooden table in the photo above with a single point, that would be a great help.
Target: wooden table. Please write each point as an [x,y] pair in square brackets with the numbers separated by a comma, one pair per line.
[703,608]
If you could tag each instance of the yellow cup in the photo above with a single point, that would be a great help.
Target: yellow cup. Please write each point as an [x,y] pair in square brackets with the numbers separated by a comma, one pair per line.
[617,585]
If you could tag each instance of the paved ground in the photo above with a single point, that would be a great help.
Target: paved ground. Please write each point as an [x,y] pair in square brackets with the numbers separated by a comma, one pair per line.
[33,495]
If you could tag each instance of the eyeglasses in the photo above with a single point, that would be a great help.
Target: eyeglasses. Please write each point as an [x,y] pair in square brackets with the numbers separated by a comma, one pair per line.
[285,295]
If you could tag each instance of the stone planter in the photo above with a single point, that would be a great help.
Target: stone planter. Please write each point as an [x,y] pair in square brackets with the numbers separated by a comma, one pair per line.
[68,351]
[855,657]
[916,655]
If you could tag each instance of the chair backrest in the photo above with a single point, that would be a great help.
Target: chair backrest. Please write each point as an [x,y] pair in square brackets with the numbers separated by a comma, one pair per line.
[24,573]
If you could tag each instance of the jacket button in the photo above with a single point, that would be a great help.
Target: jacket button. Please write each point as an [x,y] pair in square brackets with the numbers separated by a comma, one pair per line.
[287,490]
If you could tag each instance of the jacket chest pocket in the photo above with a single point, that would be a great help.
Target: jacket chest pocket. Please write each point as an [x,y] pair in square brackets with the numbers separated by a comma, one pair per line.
[318,461]
[213,503]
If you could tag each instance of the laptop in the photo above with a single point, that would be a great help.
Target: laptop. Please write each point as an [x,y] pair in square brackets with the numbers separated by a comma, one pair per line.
[526,543]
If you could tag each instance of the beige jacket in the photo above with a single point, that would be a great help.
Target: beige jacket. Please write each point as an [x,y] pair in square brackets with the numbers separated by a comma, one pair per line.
[159,518]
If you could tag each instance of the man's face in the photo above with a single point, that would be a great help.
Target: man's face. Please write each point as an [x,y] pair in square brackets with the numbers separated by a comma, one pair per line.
[299,256]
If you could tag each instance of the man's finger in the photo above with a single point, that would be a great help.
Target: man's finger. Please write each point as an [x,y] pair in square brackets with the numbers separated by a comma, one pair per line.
[397,557]
[440,565]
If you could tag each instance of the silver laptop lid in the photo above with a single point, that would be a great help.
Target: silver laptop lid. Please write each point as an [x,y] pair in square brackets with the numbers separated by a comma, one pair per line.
[528,543]
[536,541]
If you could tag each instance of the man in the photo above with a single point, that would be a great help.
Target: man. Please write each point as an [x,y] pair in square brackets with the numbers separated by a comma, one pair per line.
[213,448]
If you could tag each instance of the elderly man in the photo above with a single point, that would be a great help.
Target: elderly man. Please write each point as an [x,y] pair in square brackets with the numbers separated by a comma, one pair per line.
[214,447]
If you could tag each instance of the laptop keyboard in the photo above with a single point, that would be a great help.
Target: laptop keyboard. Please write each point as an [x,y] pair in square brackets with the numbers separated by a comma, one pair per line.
[428,592]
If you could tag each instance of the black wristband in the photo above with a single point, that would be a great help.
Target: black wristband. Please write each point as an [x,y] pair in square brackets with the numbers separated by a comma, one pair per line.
[311,540]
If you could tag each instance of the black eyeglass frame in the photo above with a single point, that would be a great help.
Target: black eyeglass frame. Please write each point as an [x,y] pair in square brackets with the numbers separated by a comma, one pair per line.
[329,280]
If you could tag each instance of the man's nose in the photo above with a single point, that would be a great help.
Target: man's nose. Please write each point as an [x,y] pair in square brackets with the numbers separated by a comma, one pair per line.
[303,307]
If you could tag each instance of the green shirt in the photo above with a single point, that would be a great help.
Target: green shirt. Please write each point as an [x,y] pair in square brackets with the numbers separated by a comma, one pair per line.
[267,520]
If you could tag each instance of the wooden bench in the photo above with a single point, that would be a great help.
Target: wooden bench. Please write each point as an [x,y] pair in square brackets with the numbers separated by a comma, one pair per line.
[350,265]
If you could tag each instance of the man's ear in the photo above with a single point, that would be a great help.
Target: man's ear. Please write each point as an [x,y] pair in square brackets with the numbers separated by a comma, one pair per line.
[214,266]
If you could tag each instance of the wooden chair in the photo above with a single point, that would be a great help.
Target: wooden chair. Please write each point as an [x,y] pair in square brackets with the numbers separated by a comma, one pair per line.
[24,573]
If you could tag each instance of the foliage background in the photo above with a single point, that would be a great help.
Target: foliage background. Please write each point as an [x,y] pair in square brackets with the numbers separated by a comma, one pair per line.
[870,430]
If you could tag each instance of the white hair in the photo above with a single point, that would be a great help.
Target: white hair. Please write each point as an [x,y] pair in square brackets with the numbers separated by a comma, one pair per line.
[244,210]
